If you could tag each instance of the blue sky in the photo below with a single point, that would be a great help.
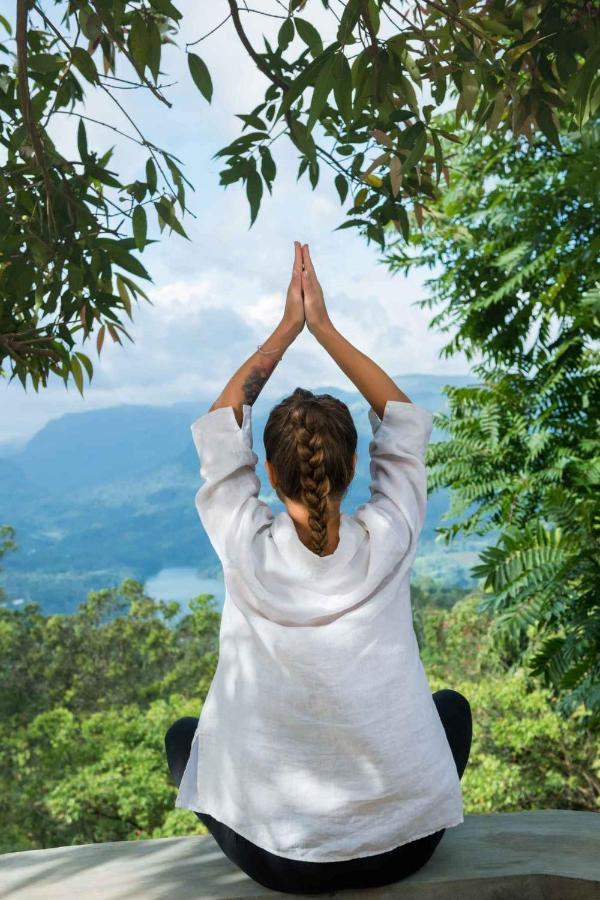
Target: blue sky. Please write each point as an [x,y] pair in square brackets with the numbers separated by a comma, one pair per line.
[216,297]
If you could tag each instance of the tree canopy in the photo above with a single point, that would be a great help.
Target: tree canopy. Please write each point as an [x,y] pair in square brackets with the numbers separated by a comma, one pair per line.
[371,77]
[88,698]
[514,242]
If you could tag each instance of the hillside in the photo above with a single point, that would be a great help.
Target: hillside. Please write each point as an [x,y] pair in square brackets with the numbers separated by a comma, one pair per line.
[103,494]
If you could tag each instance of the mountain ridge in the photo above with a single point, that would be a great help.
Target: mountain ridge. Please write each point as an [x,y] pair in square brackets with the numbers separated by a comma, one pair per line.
[111,490]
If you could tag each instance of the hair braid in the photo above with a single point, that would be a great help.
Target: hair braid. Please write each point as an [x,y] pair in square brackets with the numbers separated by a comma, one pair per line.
[314,481]
[310,440]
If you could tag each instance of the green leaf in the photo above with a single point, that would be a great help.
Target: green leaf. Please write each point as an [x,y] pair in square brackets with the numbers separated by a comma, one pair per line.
[124,295]
[548,125]
[86,362]
[103,176]
[253,121]
[352,223]
[373,13]
[254,191]
[348,22]
[139,41]
[235,172]
[342,187]
[417,150]
[322,89]
[297,86]
[166,8]
[140,226]
[469,90]
[302,138]
[166,212]
[82,141]
[439,156]
[82,60]
[201,75]
[151,178]
[4,22]
[131,264]
[134,288]
[302,168]
[90,24]
[309,34]
[342,87]
[268,167]
[286,35]
[402,221]
[408,91]
[515,53]
[120,256]
[154,48]
[77,371]
[494,26]
[412,67]
[45,62]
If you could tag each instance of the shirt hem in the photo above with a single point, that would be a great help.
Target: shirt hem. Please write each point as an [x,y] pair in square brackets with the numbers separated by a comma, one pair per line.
[444,824]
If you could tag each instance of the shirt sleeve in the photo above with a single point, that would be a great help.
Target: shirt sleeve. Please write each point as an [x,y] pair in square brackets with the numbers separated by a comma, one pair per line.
[397,464]
[227,502]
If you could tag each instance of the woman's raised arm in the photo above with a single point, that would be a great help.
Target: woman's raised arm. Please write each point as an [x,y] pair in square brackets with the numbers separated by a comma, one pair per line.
[246,384]
[373,383]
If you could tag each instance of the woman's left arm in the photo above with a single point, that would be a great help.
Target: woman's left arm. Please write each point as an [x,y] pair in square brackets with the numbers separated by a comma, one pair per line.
[246,384]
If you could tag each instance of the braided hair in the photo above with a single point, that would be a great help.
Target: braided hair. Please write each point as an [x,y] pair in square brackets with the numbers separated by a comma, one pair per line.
[310,440]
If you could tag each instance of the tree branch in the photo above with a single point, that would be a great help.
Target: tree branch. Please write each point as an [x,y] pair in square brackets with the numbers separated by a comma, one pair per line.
[116,40]
[208,33]
[25,103]
[259,62]
[284,85]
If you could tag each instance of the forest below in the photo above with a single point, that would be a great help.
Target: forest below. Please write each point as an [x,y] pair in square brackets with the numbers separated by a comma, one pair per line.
[85,701]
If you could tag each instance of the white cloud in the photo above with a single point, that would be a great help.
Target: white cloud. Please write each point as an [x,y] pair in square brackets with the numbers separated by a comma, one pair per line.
[216,297]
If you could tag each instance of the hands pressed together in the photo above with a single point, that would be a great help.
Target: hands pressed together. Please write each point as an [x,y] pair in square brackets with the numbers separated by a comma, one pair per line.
[304,302]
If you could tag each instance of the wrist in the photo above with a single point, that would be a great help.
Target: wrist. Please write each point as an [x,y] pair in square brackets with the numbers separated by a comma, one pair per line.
[323,328]
[287,331]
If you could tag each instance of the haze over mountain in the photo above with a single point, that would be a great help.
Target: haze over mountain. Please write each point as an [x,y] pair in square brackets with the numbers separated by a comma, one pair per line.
[103,494]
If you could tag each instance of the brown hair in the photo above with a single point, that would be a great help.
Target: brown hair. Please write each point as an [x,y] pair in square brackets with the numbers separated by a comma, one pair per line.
[310,440]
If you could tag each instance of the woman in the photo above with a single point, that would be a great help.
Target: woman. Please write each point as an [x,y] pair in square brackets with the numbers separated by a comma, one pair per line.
[321,760]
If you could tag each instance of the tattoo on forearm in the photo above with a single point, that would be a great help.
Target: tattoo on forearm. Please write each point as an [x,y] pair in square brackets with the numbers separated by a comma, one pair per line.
[256,380]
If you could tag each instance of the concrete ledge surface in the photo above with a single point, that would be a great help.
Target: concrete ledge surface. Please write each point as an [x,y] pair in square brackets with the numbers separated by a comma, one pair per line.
[538,855]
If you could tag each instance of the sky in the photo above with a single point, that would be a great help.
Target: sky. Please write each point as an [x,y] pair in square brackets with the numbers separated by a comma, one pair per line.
[215,297]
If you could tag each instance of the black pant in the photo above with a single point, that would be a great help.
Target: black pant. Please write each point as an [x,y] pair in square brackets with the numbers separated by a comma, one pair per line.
[301,877]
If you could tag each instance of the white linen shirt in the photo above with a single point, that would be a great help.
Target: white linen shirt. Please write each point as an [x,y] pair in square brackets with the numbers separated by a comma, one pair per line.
[319,739]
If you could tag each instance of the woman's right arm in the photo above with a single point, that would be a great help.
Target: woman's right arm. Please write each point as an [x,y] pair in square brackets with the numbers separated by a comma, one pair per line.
[373,383]
[401,429]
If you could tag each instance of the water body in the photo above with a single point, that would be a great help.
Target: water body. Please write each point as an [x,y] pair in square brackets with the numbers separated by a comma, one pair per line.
[182,583]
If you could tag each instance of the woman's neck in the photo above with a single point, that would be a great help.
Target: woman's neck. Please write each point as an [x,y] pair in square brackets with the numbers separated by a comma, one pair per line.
[299,515]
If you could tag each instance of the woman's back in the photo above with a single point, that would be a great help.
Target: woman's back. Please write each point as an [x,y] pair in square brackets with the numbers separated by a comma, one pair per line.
[319,739]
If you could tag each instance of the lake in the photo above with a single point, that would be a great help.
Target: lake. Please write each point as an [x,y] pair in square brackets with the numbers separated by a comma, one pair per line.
[182,583]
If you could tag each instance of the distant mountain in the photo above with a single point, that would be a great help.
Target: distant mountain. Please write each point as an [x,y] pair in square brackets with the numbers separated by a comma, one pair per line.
[103,494]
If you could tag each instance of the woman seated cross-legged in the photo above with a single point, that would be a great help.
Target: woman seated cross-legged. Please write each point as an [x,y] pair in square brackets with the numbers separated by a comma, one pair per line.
[320,760]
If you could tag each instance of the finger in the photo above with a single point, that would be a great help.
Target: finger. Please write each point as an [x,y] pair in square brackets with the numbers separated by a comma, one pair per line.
[304,262]
[297,258]
[307,260]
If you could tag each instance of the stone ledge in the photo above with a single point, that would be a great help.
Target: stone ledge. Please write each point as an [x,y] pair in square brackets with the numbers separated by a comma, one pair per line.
[538,855]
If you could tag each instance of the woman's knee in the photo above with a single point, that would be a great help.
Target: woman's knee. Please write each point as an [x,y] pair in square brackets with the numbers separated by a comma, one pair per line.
[178,743]
[179,737]
[449,699]
[180,729]
[454,711]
